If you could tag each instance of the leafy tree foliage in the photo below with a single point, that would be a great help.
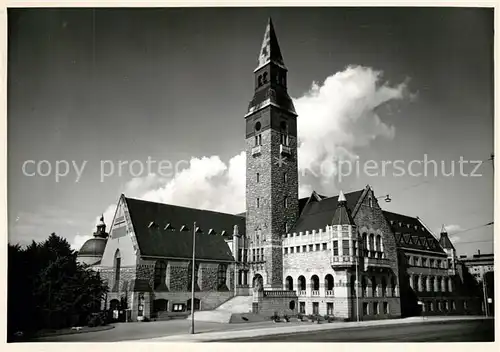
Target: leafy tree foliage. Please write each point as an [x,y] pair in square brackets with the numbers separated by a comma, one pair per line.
[48,289]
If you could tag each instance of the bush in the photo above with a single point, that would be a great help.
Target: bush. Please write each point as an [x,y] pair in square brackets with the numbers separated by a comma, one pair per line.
[96,319]
[300,316]
[286,318]
[275,317]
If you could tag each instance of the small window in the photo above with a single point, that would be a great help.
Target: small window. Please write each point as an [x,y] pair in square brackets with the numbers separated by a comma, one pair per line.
[311,248]
[285,177]
[302,307]
[345,247]
[258,177]
[317,246]
[286,250]
[304,248]
[335,247]
[365,308]
[370,202]
[329,308]
[179,307]
[258,202]
[297,249]
[324,246]
[291,249]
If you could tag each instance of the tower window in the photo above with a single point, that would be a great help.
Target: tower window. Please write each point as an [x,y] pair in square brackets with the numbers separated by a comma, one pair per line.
[258,177]
[285,177]
[286,202]
[258,140]
[258,202]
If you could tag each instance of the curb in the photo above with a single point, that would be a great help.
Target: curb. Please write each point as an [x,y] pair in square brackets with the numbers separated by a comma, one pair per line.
[74,332]
[230,335]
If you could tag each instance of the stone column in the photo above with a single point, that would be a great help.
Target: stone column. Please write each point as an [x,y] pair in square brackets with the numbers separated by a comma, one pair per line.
[411,281]
[443,284]
[450,285]
[420,283]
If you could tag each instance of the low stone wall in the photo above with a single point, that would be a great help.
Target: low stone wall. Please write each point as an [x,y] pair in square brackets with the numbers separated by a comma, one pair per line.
[280,302]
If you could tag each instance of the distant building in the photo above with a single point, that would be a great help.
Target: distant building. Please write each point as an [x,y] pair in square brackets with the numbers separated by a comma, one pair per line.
[342,256]
[478,264]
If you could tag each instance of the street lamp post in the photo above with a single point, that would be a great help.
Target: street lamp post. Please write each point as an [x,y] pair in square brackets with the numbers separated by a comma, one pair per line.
[192,279]
[357,283]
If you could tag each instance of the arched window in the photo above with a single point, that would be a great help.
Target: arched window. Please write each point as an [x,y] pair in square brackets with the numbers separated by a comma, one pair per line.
[424,283]
[363,287]
[394,286]
[384,287]
[374,287]
[378,243]
[415,283]
[302,283]
[118,261]
[221,277]
[190,271]
[315,283]
[364,245]
[289,283]
[160,275]
[371,243]
[329,282]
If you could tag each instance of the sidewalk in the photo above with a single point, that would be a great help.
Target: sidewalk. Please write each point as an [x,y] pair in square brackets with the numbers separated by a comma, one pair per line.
[286,328]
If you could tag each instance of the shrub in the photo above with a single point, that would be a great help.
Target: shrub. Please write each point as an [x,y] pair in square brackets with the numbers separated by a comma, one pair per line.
[300,316]
[286,318]
[95,320]
[275,316]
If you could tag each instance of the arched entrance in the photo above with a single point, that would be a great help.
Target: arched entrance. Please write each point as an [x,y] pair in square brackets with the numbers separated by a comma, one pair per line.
[258,282]
[289,283]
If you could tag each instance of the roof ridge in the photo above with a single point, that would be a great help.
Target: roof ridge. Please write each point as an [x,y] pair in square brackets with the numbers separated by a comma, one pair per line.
[181,206]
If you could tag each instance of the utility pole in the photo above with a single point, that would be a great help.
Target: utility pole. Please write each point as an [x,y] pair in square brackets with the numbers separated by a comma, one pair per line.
[485,295]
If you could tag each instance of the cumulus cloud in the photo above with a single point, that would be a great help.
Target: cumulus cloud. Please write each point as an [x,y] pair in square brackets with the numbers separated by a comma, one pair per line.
[335,118]
[452,232]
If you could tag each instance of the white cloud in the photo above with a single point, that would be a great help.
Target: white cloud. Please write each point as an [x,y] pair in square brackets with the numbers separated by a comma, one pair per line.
[452,232]
[335,118]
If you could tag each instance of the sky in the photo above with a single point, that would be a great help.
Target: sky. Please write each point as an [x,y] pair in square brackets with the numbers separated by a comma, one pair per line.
[90,89]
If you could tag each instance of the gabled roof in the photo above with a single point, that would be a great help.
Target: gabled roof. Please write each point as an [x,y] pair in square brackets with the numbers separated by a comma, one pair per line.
[412,233]
[149,220]
[317,214]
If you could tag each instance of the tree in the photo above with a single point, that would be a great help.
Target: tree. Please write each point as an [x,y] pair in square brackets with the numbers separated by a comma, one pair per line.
[47,288]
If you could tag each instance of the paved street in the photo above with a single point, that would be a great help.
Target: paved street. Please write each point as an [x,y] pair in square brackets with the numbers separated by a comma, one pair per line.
[454,331]
[136,331]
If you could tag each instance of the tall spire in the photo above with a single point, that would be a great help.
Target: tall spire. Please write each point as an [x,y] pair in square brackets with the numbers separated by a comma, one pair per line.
[270,49]
[342,215]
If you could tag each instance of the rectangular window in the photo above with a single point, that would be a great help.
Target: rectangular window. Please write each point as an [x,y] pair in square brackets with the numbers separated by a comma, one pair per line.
[375,308]
[262,254]
[302,307]
[297,249]
[245,256]
[286,250]
[424,262]
[453,306]
[291,249]
[345,247]
[178,307]
[431,263]
[240,254]
[304,248]
[335,247]
[365,308]
[258,202]
[317,246]
[258,254]
[329,308]
[258,177]
[386,308]
[253,255]
[285,177]
[324,246]
[315,308]
[311,248]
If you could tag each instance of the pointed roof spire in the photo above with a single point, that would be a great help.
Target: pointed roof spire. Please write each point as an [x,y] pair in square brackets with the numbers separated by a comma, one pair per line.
[270,50]
[444,240]
[342,215]
[341,198]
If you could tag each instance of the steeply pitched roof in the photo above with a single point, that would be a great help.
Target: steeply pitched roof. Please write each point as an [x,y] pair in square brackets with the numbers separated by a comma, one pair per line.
[411,233]
[444,240]
[149,220]
[342,215]
[317,214]
[270,49]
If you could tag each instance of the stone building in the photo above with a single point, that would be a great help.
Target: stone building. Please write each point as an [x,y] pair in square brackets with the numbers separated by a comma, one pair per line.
[342,256]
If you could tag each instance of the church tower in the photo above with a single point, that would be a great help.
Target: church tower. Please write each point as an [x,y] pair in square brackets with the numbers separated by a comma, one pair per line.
[272,173]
